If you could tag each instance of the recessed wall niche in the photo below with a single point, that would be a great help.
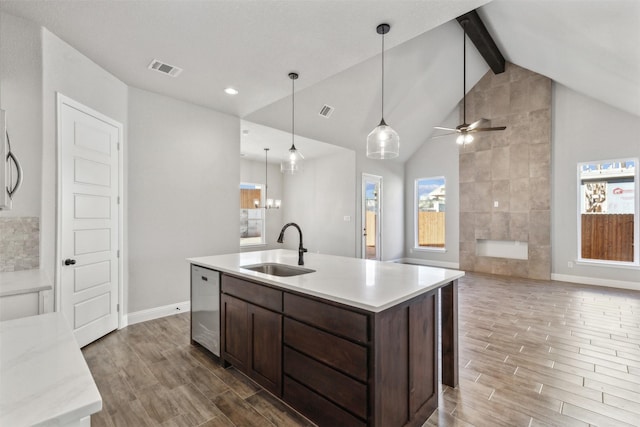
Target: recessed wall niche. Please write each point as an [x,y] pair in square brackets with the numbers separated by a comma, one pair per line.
[505,176]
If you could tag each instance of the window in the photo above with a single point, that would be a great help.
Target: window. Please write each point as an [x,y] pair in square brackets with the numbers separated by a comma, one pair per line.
[608,212]
[251,215]
[429,214]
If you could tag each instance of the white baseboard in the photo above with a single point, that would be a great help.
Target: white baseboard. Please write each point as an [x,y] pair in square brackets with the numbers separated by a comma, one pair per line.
[157,312]
[431,263]
[596,282]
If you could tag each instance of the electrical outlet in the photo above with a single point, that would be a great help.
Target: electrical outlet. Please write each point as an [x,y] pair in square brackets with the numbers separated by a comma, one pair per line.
[570,264]
[496,204]
[347,218]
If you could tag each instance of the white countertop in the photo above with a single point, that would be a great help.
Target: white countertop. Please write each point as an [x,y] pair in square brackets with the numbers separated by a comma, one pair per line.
[43,377]
[370,285]
[23,282]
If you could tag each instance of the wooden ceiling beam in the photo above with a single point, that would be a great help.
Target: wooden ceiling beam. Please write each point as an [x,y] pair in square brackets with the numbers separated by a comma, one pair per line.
[478,34]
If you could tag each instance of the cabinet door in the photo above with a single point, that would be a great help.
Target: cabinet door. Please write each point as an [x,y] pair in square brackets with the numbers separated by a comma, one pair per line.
[265,348]
[235,329]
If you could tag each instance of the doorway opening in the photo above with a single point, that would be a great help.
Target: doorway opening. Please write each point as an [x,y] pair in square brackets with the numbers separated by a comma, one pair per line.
[371,216]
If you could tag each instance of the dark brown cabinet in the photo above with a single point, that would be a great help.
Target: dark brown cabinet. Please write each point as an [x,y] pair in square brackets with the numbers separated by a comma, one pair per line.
[337,364]
[252,338]
[265,348]
[235,331]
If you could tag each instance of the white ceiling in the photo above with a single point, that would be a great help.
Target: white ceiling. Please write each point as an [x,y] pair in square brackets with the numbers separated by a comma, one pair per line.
[255,138]
[589,46]
[592,47]
[250,45]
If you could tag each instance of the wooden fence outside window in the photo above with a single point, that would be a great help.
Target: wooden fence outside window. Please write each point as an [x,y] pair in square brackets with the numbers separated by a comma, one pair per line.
[607,237]
[431,229]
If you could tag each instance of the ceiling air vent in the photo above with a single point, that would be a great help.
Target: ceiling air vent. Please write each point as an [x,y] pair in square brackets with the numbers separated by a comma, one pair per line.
[326,111]
[163,68]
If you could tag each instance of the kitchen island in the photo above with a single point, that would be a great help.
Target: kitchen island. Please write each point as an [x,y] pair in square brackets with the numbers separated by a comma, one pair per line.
[353,342]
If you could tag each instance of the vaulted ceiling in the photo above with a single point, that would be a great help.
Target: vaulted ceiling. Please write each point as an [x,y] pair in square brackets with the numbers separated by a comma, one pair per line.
[589,46]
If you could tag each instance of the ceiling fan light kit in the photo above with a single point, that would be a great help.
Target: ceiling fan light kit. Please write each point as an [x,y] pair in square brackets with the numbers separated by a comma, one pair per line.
[293,160]
[465,130]
[383,142]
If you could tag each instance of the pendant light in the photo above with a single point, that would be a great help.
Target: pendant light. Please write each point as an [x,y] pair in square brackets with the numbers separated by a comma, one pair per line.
[268,203]
[383,142]
[293,160]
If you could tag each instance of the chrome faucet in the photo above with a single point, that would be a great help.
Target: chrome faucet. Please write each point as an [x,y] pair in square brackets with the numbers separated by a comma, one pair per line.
[301,250]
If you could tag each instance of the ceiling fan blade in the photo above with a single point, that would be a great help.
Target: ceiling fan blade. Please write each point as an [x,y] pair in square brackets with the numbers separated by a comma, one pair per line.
[442,128]
[443,135]
[477,123]
[488,129]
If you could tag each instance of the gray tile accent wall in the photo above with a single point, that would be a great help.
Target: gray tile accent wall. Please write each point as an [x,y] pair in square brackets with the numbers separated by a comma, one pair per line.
[511,167]
[19,243]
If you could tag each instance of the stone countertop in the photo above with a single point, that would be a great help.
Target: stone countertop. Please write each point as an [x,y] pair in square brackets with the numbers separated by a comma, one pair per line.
[44,378]
[367,284]
[23,282]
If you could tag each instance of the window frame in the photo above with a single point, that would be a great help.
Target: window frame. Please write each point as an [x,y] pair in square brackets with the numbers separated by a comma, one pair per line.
[636,218]
[416,225]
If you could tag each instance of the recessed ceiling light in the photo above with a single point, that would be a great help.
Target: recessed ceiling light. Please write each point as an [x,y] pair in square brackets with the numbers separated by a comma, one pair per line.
[231,91]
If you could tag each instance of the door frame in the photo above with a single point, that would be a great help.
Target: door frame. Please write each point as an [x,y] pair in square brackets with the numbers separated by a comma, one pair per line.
[122,286]
[363,212]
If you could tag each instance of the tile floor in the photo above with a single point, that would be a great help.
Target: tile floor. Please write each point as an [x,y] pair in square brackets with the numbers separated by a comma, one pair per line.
[532,353]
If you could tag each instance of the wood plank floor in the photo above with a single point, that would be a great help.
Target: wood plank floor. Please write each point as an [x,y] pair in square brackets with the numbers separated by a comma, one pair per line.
[532,353]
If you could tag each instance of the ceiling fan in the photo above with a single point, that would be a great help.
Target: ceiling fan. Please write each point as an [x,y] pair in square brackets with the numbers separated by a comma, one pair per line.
[465,130]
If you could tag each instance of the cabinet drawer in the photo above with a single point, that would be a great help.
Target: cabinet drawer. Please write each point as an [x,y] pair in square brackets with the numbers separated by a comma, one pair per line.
[339,388]
[316,407]
[334,319]
[342,354]
[252,292]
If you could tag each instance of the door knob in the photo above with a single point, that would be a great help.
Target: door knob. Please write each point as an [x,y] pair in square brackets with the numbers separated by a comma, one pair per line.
[69,261]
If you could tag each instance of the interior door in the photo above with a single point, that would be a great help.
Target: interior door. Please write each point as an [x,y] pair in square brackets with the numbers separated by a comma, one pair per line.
[89,220]
[371,216]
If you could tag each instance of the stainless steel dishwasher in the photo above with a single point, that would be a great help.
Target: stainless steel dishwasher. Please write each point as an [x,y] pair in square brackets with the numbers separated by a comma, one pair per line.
[205,308]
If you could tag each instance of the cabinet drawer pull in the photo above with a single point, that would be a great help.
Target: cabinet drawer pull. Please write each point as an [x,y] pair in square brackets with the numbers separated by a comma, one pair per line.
[205,278]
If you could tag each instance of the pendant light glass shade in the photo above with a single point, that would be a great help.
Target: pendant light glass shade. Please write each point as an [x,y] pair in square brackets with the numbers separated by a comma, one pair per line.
[293,162]
[383,142]
[293,159]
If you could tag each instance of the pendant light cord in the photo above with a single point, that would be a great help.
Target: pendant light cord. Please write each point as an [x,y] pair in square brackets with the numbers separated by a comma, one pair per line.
[293,112]
[382,106]
[266,175]
[464,71]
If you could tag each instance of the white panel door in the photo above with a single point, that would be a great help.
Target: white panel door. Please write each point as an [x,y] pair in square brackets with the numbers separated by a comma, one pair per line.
[89,221]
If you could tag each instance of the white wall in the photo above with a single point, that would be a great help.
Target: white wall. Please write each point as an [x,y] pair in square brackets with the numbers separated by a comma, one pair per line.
[67,71]
[253,172]
[184,169]
[317,200]
[583,130]
[392,173]
[21,97]
[436,157]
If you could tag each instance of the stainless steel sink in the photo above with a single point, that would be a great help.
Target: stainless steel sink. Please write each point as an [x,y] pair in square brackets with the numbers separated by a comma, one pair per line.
[275,269]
